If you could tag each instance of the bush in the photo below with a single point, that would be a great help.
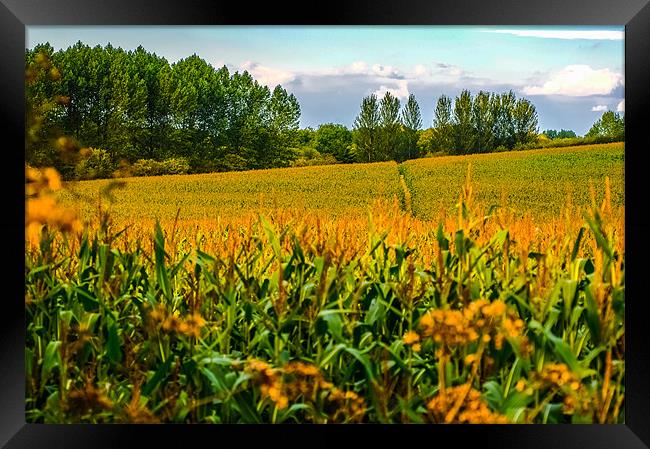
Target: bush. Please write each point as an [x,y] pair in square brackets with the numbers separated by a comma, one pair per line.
[233,162]
[151,167]
[567,142]
[175,166]
[95,163]
[324,159]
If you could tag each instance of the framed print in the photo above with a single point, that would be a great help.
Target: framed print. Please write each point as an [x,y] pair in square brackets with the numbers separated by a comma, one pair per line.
[306,224]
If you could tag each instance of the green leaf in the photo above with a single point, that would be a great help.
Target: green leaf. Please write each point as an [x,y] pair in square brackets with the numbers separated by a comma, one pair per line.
[160,255]
[561,349]
[576,245]
[364,361]
[161,373]
[592,315]
[113,349]
[51,359]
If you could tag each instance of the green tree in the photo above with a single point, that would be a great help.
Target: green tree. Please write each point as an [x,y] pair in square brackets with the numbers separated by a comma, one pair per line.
[611,125]
[524,118]
[331,138]
[366,126]
[483,122]
[443,125]
[464,136]
[562,134]
[504,128]
[390,127]
[412,121]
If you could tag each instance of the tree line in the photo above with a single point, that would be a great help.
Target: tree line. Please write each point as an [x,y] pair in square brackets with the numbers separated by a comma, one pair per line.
[136,105]
[134,109]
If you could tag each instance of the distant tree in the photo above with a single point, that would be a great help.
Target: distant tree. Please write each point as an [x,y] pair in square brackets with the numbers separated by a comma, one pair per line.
[562,134]
[333,139]
[284,115]
[427,141]
[348,155]
[464,136]
[135,105]
[305,137]
[611,125]
[412,120]
[524,118]
[504,127]
[366,127]
[390,127]
[443,125]
[483,122]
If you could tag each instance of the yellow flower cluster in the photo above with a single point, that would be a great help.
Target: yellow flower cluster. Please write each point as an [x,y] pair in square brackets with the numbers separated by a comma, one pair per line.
[189,326]
[447,327]
[412,339]
[296,379]
[480,319]
[39,181]
[305,380]
[349,405]
[558,376]
[41,207]
[269,380]
[473,409]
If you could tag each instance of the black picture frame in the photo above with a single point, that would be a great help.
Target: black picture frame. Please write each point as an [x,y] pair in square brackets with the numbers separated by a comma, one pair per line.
[15,15]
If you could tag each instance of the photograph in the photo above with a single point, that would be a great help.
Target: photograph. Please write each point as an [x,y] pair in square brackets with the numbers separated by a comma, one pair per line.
[350,224]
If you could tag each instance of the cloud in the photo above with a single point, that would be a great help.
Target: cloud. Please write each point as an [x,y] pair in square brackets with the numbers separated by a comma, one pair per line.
[420,70]
[565,34]
[357,67]
[401,90]
[620,107]
[386,71]
[266,75]
[577,81]
[599,108]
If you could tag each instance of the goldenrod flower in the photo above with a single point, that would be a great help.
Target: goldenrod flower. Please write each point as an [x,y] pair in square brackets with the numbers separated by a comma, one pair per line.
[410,338]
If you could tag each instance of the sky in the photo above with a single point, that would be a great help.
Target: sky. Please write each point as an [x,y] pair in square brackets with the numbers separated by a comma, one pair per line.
[571,74]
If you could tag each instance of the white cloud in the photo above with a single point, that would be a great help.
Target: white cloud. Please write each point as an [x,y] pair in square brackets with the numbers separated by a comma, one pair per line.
[266,75]
[599,108]
[385,71]
[401,90]
[620,107]
[577,81]
[420,70]
[357,67]
[565,34]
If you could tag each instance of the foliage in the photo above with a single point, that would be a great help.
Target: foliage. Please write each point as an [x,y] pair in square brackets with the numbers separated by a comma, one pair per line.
[611,125]
[366,127]
[333,139]
[320,159]
[151,167]
[135,105]
[95,163]
[561,134]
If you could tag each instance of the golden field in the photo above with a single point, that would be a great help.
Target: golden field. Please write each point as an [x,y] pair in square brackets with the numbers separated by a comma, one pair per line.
[374,293]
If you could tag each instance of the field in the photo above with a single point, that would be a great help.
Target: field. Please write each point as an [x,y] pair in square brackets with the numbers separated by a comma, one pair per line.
[352,293]
[534,181]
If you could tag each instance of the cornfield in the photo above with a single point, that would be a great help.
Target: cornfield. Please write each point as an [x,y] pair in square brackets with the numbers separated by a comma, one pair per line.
[270,313]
